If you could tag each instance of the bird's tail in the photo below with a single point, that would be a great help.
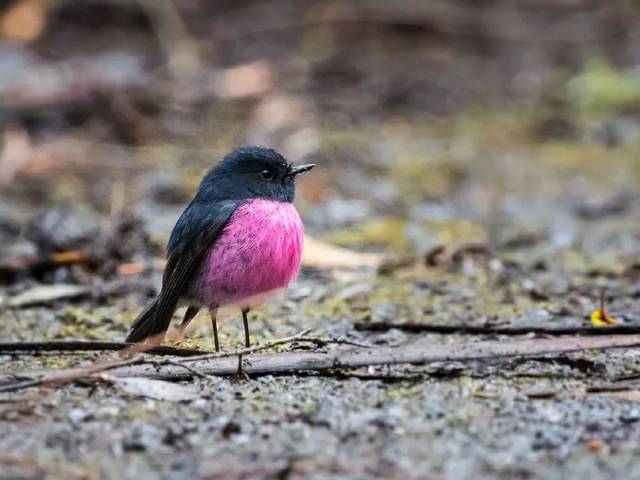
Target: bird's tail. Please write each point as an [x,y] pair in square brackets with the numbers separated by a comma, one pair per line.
[144,325]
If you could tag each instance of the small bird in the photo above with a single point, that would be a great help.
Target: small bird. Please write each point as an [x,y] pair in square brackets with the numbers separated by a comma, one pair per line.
[238,242]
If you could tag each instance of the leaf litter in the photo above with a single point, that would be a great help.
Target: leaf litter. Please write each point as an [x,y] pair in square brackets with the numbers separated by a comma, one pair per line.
[156,389]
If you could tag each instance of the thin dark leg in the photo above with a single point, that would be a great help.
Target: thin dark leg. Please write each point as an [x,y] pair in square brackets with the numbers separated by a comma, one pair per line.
[188,316]
[247,342]
[214,326]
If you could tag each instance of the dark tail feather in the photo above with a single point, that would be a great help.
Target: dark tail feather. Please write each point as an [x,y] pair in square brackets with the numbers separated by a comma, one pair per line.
[144,325]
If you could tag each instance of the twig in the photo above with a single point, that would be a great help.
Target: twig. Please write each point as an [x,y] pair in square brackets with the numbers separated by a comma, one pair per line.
[72,346]
[256,348]
[67,375]
[196,373]
[88,346]
[322,342]
[295,362]
[484,330]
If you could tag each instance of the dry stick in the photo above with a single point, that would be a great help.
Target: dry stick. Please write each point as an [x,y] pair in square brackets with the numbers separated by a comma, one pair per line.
[79,346]
[294,362]
[483,330]
[195,372]
[68,375]
[257,348]
[71,346]
[87,346]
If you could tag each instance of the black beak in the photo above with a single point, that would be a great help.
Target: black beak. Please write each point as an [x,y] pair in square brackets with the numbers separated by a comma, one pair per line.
[301,169]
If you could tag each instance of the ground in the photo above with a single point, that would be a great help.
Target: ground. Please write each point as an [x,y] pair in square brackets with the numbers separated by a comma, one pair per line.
[504,211]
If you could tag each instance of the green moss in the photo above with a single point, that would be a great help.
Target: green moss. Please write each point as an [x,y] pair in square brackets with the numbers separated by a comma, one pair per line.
[420,176]
[599,87]
[382,232]
[456,231]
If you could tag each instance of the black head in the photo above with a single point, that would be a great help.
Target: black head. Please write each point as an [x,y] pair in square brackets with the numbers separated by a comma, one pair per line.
[252,172]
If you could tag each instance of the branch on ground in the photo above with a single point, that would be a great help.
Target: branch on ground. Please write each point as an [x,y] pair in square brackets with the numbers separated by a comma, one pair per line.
[488,330]
[291,363]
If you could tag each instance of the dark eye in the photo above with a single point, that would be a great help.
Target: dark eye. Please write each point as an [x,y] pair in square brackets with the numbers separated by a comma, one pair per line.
[266,174]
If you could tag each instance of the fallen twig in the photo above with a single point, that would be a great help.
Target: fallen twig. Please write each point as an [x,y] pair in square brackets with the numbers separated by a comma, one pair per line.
[256,348]
[64,376]
[67,375]
[295,362]
[71,346]
[196,373]
[487,330]
[79,346]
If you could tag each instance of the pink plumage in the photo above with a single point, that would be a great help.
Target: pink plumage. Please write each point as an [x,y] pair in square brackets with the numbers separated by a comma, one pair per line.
[258,254]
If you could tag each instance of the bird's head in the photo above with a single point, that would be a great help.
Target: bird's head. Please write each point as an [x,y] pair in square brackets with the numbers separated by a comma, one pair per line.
[253,172]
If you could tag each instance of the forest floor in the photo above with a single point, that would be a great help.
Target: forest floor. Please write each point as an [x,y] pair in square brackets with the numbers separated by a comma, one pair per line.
[506,216]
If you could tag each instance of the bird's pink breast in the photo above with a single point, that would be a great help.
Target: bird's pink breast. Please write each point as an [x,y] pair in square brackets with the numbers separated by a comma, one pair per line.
[258,252]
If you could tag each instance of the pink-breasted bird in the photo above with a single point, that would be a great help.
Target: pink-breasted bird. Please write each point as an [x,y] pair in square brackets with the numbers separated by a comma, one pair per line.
[237,242]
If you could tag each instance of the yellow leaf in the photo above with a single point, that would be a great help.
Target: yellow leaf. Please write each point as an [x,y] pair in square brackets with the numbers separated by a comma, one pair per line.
[600,317]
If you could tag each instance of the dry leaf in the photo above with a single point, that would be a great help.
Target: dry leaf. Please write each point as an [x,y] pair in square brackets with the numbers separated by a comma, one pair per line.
[16,153]
[46,294]
[594,445]
[131,268]
[156,389]
[600,317]
[71,256]
[249,80]
[325,255]
[23,21]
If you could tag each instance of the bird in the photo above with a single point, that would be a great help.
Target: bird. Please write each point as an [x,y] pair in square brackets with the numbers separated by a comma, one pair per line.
[238,242]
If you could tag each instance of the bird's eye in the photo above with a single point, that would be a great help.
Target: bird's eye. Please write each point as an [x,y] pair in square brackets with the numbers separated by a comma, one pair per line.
[266,174]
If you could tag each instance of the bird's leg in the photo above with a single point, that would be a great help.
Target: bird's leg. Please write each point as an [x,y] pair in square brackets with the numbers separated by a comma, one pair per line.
[245,321]
[188,316]
[214,324]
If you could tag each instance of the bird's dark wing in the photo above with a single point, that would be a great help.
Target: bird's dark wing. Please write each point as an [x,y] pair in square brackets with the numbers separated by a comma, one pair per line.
[195,232]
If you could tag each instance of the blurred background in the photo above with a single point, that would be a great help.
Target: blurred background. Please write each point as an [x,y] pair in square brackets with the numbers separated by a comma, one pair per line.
[478,164]
[431,121]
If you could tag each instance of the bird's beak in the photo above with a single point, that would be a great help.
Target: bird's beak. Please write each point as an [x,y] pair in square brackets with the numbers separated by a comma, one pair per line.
[300,169]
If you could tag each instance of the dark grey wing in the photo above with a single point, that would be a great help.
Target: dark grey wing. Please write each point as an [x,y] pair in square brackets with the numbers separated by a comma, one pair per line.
[192,238]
